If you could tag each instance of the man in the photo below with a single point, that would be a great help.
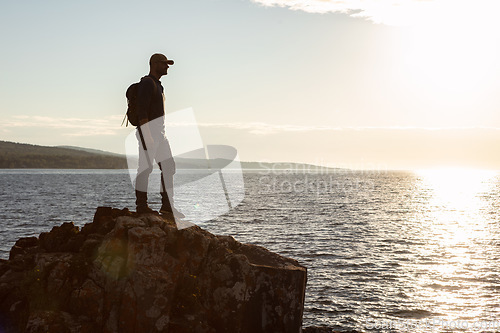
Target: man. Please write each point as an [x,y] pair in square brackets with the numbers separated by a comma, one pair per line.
[153,144]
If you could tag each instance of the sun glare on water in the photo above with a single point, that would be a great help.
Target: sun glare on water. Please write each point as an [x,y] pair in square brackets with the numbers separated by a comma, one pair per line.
[457,189]
[455,201]
[455,226]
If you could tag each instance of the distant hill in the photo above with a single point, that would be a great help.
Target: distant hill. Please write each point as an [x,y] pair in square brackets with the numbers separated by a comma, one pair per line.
[90,150]
[21,155]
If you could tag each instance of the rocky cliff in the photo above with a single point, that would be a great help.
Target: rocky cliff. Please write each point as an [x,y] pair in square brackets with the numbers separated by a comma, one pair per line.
[130,273]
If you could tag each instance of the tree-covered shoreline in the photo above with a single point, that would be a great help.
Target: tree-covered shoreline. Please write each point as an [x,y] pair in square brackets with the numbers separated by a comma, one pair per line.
[20,155]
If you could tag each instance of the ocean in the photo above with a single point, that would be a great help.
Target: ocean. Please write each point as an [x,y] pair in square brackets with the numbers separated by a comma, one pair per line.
[386,251]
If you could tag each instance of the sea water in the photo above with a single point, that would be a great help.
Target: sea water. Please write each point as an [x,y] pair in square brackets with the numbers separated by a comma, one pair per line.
[385,251]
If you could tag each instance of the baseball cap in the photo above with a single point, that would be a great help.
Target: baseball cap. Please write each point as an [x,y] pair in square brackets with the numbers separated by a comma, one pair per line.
[160,57]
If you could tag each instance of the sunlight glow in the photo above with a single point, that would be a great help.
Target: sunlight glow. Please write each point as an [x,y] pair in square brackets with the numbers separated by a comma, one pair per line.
[455,49]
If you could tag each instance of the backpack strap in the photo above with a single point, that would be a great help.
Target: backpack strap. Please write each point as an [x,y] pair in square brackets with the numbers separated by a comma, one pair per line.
[124,120]
[154,83]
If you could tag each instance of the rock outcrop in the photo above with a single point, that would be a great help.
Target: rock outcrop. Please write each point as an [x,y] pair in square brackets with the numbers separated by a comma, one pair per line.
[138,273]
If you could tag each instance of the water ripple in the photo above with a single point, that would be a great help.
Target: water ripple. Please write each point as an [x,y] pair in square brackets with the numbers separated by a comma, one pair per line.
[378,246]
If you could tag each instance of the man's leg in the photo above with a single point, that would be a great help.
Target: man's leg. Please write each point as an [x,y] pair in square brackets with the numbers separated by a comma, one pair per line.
[144,170]
[167,166]
[166,187]
[167,194]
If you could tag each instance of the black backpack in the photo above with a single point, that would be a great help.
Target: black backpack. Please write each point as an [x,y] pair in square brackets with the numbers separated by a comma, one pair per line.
[131,95]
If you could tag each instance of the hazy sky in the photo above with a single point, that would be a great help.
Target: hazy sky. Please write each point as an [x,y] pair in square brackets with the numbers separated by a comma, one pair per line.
[364,84]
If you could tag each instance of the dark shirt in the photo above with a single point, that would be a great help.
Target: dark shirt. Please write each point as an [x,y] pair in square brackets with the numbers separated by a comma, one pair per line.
[150,99]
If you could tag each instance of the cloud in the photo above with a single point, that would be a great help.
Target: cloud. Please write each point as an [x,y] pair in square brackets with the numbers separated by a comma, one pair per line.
[72,127]
[393,12]
[260,128]
[80,127]
[257,128]
[390,12]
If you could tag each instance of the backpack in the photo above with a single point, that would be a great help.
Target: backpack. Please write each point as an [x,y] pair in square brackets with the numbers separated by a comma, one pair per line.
[131,94]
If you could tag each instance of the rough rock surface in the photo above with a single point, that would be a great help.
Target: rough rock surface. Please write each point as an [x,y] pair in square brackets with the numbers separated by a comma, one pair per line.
[130,273]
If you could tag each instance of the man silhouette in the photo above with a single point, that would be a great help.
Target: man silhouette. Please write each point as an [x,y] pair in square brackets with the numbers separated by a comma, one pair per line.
[153,144]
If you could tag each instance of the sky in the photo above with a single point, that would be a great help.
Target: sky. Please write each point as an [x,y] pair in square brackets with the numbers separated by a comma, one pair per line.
[379,84]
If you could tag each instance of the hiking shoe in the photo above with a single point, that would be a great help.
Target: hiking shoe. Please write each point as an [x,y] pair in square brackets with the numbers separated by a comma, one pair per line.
[145,210]
[175,213]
